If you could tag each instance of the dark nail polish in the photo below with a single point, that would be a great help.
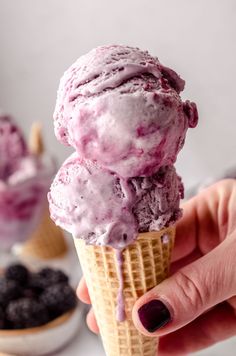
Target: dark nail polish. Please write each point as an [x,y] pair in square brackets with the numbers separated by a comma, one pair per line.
[154,315]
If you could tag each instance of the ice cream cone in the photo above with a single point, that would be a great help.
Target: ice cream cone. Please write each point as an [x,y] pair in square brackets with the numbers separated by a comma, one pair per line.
[145,264]
[36,144]
[48,240]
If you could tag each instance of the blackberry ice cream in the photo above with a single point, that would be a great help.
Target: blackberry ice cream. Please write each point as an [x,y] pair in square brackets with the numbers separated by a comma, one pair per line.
[121,110]
[120,107]
[102,208]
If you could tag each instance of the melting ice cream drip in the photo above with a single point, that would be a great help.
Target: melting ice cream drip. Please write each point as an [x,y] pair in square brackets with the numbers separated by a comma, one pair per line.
[165,239]
[120,308]
[110,93]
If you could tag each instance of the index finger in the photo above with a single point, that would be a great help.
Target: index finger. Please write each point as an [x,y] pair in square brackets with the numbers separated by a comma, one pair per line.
[186,231]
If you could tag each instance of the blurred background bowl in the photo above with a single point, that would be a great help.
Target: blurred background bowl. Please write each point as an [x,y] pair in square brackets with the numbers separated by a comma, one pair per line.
[44,339]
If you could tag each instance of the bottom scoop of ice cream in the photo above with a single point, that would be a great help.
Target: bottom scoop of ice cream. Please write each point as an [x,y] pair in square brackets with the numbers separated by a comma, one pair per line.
[102,208]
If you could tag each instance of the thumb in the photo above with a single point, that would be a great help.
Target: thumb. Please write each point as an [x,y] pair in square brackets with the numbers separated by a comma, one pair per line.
[188,293]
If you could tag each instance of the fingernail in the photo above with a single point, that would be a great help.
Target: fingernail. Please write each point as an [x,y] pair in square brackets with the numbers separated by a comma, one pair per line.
[154,315]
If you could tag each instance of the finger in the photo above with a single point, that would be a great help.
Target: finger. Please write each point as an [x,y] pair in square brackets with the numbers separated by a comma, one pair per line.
[188,293]
[186,238]
[175,266]
[82,292]
[201,224]
[91,322]
[216,325]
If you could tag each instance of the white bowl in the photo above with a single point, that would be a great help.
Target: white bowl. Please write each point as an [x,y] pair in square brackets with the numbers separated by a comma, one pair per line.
[44,339]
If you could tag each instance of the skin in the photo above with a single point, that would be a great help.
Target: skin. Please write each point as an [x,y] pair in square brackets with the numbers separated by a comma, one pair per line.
[201,291]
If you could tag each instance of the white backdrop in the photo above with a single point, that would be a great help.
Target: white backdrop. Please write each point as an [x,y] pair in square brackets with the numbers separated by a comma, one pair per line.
[39,39]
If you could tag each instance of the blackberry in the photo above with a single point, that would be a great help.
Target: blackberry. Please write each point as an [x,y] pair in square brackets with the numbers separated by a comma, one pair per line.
[18,273]
[59,299]
[35,285]
[44,279]
[52,276]
[9,290]
[30,293]
[26,313]
[2,318]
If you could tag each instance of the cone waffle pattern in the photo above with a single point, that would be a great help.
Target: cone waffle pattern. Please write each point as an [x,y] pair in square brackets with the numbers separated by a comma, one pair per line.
[146,264]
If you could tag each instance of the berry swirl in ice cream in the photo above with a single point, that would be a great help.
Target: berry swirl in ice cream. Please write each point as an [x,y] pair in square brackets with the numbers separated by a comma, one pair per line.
[120,107]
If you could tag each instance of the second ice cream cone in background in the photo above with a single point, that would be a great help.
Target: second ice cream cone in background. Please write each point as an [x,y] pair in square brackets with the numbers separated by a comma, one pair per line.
[36,144]
[48,240]
[145,263]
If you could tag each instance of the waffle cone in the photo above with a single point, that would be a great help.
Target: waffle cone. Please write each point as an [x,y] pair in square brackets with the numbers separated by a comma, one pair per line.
[46,242]
[36,144]
[145,264]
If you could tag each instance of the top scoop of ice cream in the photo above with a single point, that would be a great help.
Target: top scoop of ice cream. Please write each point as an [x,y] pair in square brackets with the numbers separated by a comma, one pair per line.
[102,208]
[120,107]
[12,147]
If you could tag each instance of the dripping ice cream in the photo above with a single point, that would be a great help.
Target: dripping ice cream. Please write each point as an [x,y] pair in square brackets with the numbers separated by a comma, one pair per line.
[121,110]
[24,181]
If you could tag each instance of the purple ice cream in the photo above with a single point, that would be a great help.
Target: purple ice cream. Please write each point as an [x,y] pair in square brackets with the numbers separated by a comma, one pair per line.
[120,107]
[102,208]
[121,110]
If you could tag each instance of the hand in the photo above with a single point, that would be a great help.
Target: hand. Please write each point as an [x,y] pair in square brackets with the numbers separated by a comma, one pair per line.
[196,306]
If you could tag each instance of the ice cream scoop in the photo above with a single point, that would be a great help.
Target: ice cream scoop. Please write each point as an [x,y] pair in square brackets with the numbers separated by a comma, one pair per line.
[120,107]
[102,208]
[119,193]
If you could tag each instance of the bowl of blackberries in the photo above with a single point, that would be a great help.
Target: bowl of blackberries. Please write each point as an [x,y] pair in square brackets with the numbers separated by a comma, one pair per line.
[39,311]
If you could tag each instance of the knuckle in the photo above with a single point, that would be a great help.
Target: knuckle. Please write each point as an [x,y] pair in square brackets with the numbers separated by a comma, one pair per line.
[190,290]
